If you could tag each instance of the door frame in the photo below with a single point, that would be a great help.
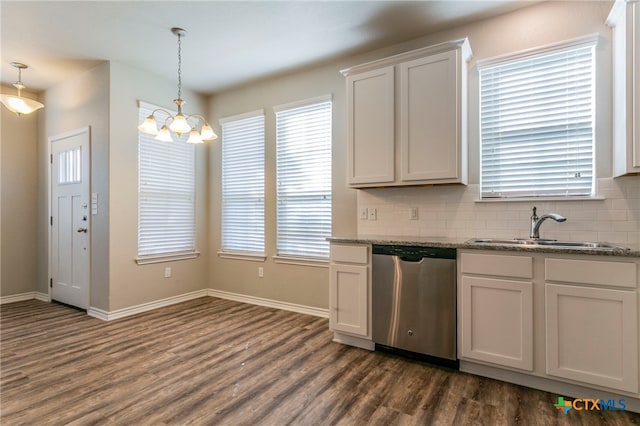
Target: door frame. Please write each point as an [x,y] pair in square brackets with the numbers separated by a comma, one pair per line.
[51,140]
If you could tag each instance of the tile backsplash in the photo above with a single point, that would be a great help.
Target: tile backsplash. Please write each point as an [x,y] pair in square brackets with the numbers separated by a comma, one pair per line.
[454,211]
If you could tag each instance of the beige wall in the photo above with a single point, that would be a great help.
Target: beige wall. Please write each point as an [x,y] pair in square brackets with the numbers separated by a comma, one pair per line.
[18,200]
[131,284]
[80,101]
[534,26]
[304,285]
[105,98]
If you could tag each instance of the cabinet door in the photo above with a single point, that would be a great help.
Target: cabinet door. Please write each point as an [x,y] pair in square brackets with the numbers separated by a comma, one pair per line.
[349,299]
[429,118]
[497,321]
[371,127]
[592,336]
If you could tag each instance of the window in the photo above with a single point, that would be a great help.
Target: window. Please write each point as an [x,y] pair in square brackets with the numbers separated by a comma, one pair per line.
[243,183]
[537,123]
[166,193]
[69,170]
[303,150]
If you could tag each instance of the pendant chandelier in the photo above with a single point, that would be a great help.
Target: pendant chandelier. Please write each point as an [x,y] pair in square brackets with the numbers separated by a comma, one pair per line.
[19,104]
[180,123]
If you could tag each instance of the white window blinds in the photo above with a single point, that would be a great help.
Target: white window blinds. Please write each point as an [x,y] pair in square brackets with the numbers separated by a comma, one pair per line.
[243,183]
[303,150]
[166,192]
[537,124]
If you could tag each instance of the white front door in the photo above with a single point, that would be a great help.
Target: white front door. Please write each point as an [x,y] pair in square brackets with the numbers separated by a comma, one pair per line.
[70,217]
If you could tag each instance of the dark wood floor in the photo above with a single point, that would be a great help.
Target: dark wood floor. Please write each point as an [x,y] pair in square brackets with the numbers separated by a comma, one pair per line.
[212,361]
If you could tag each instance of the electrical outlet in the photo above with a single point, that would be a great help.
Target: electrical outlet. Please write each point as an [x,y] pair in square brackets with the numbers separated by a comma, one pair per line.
[167,272]
[414,213]
[373,214]
[364,213]
[260,272]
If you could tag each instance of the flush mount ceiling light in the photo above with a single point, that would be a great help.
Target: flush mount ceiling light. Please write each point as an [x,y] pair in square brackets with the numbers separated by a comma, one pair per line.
[180,123]
[19,104]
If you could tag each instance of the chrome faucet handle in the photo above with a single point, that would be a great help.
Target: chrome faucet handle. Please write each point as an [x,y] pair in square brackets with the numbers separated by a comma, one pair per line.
[537,221]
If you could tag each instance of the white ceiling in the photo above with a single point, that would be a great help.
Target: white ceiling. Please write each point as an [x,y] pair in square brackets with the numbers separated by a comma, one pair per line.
[228,42]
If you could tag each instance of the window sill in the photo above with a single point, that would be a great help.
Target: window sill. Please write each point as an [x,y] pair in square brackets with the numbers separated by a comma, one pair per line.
[170,257]
[534,199]
[302,261]
[254,257]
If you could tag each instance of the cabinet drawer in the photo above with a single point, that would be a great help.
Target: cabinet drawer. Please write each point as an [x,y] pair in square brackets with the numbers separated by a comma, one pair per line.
[618,274]
[349,253]
[497,265]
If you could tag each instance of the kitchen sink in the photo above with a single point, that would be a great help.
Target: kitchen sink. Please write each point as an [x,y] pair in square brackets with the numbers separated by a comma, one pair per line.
[581,245]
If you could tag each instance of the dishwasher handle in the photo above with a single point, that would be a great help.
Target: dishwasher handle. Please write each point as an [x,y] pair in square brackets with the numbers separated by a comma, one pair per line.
[413,259]
[414,253]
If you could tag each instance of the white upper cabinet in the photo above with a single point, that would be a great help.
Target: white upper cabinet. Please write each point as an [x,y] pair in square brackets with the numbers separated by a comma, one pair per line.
[625,20]
[407,118]
[430,119]
[371,126]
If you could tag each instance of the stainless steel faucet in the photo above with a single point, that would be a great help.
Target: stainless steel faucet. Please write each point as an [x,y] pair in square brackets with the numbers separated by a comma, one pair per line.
[537,221]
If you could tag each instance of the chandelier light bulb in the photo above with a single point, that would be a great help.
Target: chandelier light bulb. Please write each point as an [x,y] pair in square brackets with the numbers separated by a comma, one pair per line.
[207,133]
[179,124]
[149,126]
[164,135]
[194,137]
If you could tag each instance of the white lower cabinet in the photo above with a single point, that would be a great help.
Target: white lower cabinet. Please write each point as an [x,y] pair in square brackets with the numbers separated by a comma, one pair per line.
[496,309]
[592,335]
[567,320]
[497,321]
[350,294]
[591,322]
[349,299]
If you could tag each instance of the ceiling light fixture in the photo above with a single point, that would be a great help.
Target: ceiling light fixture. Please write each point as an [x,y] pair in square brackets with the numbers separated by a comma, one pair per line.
[179,124]
[19,104]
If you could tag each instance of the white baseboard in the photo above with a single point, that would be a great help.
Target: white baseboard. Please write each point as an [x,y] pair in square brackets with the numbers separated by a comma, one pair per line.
[285,306]
[44,297]
[358,342]
[132,310]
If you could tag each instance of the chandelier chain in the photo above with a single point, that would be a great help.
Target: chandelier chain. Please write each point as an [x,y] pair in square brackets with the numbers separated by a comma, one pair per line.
[179,66]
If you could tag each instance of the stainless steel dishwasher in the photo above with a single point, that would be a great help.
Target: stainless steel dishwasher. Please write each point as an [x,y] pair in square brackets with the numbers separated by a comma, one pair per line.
[414,301]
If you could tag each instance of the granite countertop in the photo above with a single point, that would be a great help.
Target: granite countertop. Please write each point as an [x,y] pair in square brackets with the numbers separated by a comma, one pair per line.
[463,244]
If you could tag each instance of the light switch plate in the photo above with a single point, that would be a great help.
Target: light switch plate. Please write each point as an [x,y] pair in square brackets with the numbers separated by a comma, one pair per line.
[373,214]
[364,213]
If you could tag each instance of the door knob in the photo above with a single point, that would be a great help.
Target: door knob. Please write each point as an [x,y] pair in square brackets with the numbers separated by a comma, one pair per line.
[82,230]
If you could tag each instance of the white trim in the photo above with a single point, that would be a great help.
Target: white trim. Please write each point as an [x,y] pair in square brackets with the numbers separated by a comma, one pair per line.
[285,306]
[462,44]
[144,307]
[616,13]
[303,102]
[359,342]
[588,40]
[243,116]
[21,297]
[537,199]
[159,258]
[149,306]
[302,261]
[254,257]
